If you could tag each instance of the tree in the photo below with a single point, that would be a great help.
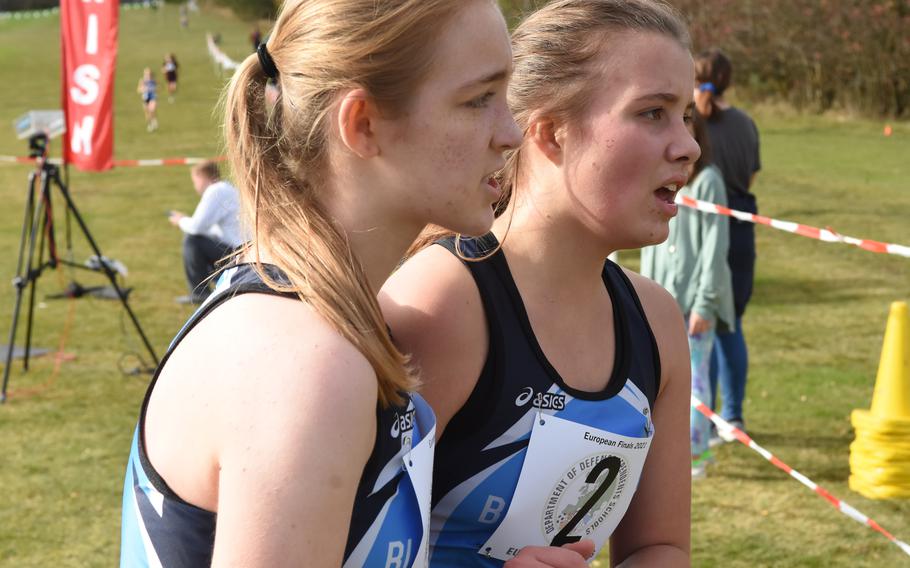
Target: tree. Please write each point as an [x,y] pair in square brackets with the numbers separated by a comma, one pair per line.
[816,54]
[17,5]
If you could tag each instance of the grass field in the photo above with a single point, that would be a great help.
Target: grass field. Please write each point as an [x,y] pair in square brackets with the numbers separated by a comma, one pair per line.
[814,326]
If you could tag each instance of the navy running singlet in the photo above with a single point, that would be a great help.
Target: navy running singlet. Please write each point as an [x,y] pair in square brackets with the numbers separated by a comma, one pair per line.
[529,460]
[387,529]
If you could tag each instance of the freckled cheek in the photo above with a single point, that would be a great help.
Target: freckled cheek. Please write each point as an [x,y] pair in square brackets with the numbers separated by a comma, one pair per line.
[453,153]
[459,159]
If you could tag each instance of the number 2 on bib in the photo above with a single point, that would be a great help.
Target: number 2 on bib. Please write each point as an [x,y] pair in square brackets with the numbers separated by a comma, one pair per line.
[612,464]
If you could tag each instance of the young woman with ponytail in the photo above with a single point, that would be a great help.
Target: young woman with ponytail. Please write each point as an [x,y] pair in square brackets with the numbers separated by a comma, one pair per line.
[561,383]
[734,138]
[280,428]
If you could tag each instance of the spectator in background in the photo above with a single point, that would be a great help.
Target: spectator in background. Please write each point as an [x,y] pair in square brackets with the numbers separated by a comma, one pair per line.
[692,265]
[734,140]
[169,68]
[211,233]
[148,90]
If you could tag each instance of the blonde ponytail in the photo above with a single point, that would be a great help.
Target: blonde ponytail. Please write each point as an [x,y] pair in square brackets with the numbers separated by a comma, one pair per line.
[277,151]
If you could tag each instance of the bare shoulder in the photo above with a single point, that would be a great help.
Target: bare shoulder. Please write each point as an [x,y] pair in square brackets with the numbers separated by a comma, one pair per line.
[259,357]
[649,292]
[290,355]
[433,279]
[434,309]
[270,397]
[259,372]
[666,322]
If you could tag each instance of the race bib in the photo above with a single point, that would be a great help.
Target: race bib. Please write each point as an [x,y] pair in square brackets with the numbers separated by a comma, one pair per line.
[576,482]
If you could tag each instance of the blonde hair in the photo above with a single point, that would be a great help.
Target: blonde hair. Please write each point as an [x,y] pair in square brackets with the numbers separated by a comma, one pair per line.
[554,50]
[278,151]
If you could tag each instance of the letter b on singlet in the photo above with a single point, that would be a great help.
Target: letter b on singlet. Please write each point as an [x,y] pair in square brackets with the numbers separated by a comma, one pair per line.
[399,555]
[492,510]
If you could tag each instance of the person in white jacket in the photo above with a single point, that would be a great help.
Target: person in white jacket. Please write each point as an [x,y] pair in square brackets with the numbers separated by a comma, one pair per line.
[211,233]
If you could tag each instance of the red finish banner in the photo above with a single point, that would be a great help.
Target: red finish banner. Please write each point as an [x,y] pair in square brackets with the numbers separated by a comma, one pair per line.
[88,33]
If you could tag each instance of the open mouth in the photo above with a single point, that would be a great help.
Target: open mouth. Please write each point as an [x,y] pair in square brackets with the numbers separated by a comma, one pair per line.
[493,187]
[667,193]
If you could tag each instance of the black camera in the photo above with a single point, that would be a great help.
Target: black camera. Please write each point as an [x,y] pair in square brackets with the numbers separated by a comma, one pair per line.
[37,145]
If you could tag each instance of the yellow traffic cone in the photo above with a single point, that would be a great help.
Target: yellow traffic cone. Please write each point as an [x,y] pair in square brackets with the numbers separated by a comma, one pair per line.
[891,397]
[880,455]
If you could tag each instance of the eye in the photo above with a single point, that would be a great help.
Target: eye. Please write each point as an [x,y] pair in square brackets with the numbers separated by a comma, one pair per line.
[653,114]
[482,101]
[689,117]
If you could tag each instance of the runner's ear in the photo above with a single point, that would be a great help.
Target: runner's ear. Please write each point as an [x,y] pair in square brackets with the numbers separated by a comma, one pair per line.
[544,134]
[356,114]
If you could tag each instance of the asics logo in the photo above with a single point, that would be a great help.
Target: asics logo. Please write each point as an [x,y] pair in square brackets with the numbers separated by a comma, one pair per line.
[523,398]
[542,400]
[403,423]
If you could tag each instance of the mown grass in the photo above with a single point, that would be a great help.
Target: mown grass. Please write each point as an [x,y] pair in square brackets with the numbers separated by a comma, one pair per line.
[814,326]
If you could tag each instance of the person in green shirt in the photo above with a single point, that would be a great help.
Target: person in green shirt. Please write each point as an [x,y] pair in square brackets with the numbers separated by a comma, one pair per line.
[692,265]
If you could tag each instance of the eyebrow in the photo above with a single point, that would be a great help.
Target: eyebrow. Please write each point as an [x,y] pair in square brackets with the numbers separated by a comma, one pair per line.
[666,97]
[491,78]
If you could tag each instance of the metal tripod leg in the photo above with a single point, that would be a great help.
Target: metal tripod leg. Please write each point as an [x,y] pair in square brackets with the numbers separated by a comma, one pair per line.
[42,228]
[39,217]
[27,239]
[54,173]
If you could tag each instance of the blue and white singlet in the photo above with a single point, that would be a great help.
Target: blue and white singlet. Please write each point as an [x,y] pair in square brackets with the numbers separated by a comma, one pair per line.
[482,453]
[149,90]
[387,528]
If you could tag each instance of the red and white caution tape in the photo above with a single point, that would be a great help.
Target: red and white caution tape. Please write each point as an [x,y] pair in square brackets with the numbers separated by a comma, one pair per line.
[826,235]
[124,163]
[21,160]
[165,162]
[727,428]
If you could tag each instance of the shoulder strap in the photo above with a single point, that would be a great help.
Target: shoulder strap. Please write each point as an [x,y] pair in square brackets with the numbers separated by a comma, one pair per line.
[638,323]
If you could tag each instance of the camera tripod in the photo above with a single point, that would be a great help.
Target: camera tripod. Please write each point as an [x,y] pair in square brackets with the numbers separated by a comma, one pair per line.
[38,231]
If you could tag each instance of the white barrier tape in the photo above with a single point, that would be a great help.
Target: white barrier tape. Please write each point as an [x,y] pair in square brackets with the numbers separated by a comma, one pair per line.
[824,235]
[223,61]
[165,162]
[742,437]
